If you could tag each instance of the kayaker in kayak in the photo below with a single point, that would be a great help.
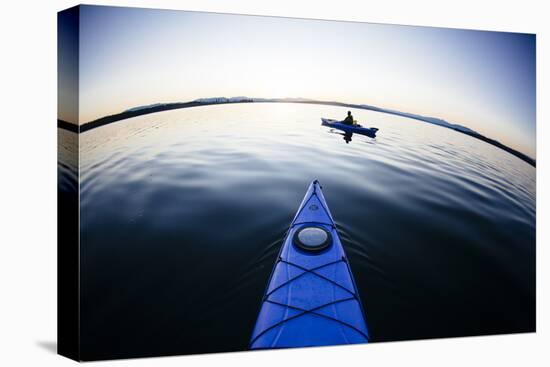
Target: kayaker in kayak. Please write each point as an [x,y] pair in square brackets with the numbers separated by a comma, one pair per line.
[348,120]
[353,128]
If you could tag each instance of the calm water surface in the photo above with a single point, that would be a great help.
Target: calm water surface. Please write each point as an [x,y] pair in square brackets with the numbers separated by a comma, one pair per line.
[183,213]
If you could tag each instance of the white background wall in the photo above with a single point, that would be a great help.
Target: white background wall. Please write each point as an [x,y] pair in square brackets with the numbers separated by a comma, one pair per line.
[28,183]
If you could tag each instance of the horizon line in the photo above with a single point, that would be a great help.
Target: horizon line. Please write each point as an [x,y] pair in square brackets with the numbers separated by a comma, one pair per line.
[205,101]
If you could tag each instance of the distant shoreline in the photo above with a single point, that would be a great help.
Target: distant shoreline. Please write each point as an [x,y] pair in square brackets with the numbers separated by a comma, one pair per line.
[217,101]
[67,126]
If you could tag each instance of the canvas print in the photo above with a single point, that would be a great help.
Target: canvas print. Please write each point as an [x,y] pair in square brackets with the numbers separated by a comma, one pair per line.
[236,182]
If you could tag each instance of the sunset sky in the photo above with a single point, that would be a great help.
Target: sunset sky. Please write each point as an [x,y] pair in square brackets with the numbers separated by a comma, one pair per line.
[482,80]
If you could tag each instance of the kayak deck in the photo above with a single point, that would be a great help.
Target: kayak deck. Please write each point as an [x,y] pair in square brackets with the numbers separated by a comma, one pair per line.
[368,131]
[311,298]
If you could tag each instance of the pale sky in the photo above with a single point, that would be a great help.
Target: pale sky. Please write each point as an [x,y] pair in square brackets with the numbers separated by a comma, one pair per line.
[482,80]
